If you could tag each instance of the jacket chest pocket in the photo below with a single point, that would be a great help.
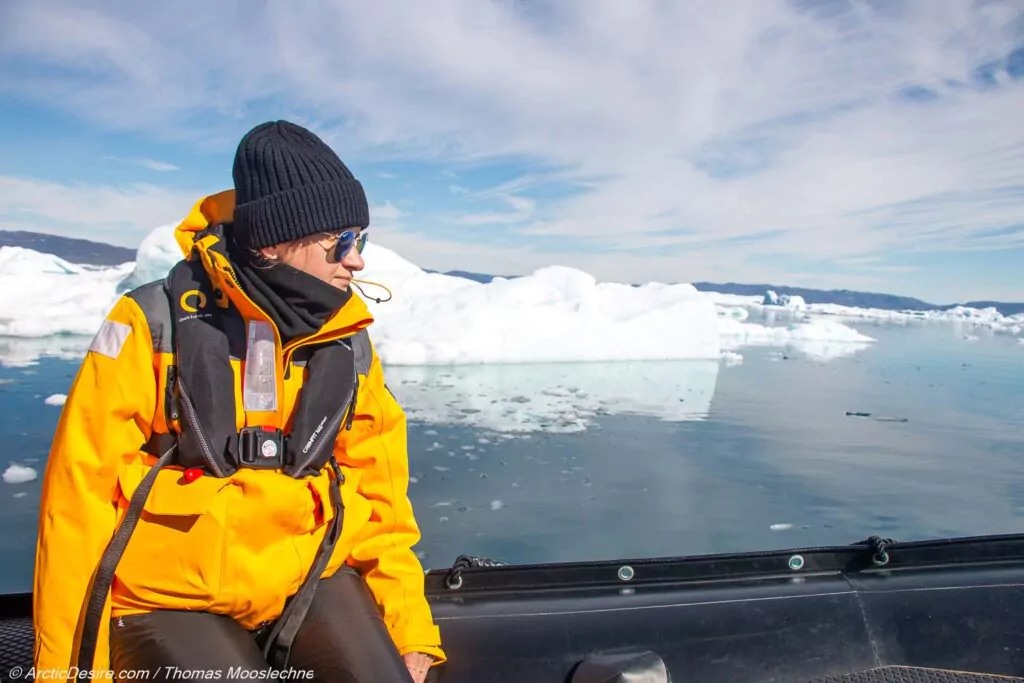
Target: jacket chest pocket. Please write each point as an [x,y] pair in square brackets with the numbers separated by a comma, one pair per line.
[177,548]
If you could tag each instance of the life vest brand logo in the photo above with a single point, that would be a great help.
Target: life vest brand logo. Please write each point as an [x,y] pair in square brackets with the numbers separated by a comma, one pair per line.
[200,300]
[199,297]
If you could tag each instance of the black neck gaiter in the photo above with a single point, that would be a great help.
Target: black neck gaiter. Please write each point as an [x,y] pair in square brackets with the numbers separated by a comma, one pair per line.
[297,303]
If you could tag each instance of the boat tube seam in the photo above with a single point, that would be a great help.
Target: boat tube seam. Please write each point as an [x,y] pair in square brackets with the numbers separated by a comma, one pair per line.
[868,631]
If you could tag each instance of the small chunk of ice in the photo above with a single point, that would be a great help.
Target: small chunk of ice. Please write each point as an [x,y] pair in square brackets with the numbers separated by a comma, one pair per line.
[16,474]
[497,505]
[781,527]
[56,400]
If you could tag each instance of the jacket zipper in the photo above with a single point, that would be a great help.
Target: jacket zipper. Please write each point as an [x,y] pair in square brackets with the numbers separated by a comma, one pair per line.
[194,419]
[352,404]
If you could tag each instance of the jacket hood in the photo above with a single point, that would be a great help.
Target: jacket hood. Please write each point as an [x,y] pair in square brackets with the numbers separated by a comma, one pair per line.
[209,210]
[194,235]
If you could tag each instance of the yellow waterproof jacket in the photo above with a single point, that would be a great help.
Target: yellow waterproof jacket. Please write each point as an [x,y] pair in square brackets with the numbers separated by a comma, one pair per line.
[238,545]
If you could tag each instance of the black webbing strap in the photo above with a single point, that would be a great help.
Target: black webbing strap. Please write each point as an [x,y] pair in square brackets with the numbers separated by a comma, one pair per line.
[108,564]
[278,645]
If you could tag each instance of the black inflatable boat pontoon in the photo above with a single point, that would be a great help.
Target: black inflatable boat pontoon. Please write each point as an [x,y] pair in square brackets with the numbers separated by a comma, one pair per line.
[947,610]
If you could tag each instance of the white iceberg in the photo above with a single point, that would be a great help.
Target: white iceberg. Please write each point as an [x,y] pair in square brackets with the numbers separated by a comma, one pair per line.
[157,252]
[792,302]
[989,318]
[554,315]
[54,296]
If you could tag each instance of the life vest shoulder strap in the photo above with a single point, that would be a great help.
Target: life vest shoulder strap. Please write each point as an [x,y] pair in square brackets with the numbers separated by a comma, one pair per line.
[151,298]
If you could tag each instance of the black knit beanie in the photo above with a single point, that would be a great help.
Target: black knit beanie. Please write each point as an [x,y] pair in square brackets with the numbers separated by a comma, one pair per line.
[290,184]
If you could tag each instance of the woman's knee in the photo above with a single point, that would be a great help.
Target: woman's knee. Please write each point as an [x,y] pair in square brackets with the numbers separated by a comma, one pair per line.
[343,637]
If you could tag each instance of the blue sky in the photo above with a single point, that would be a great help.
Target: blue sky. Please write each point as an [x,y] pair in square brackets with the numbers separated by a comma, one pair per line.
[856,144]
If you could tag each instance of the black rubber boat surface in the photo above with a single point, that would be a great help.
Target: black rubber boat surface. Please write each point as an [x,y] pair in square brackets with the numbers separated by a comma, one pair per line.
[948,610]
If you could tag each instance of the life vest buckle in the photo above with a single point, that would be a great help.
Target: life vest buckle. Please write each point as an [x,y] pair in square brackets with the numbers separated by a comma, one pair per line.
[261,448]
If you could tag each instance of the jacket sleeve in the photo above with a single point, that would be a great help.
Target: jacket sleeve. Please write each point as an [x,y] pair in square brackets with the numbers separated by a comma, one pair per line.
[105,420]
[383,552]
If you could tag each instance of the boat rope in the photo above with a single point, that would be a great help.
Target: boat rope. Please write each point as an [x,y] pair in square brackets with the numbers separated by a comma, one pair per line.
[880,556]
[454,578]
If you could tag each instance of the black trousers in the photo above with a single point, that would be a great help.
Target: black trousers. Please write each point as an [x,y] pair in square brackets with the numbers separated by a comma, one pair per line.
[342,639]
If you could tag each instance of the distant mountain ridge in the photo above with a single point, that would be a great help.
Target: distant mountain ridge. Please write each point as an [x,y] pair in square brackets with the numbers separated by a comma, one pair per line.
[843,297]
[87,252]
[80,251]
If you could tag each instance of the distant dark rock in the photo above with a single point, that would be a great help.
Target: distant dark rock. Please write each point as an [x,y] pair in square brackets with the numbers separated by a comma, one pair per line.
[845,297]
[467,275]
[842,297]
[82,252]
[1002,307]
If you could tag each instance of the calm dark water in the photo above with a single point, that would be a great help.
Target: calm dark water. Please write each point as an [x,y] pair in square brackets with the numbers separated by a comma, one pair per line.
[600,461]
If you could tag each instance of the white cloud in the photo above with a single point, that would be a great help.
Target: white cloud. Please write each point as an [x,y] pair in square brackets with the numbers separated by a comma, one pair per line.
[522,210]
[120,215]
[385,213]
[646,108]
[154,165]
[151,164]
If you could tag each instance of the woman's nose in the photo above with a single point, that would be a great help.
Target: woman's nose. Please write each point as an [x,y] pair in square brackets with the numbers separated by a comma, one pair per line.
[353,260]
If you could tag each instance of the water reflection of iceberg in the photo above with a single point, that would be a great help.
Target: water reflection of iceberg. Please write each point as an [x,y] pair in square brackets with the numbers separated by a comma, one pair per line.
[816,339]
[826,350]
[16,352]
[557,397]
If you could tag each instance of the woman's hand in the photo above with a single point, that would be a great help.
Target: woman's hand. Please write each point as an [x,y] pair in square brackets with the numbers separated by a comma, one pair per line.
[418,664]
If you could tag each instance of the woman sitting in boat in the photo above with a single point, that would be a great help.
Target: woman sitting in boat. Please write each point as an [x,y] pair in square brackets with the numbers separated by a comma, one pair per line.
[227,487]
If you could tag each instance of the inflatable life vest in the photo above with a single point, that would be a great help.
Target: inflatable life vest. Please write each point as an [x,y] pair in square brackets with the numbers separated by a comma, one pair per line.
[202,402]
